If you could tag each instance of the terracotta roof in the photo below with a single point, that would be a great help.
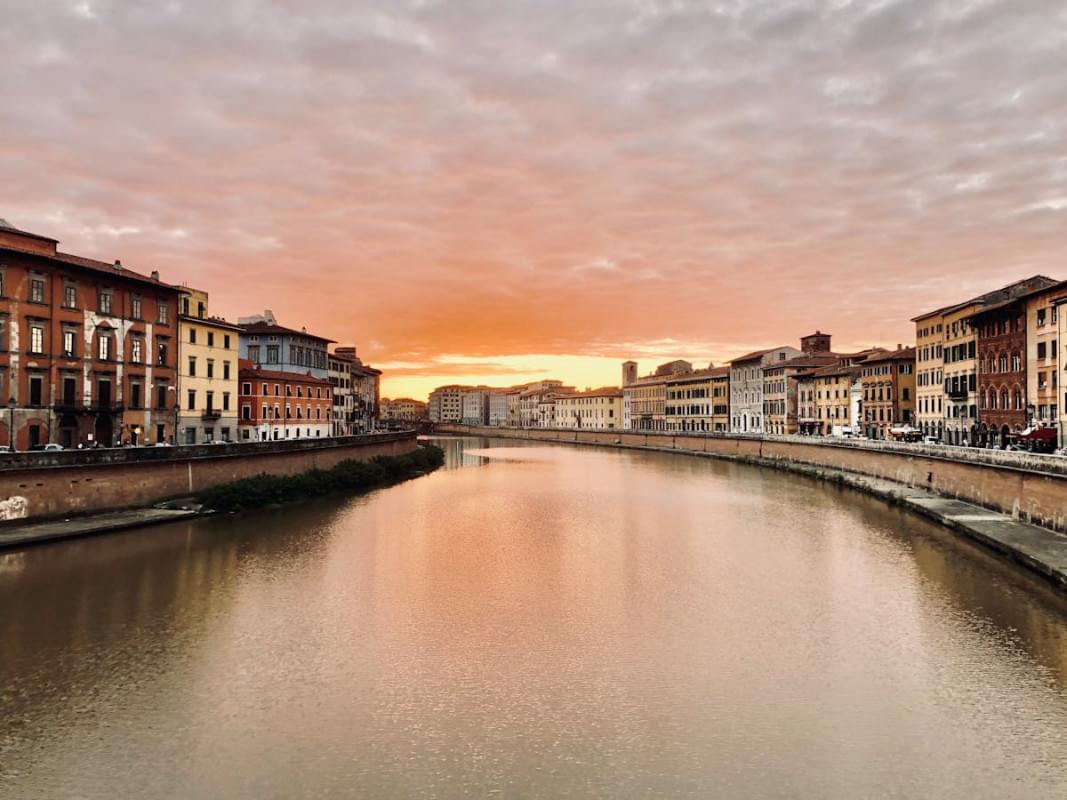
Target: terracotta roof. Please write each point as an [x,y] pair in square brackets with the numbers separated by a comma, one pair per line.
[752,355]
[903,354]
[266,327]
[1012,291]
[275,375]
[697,374]
[606,391]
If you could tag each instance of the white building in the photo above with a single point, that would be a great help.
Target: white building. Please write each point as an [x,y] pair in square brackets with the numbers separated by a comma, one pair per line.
[498,408]
[474,406]
[746,387]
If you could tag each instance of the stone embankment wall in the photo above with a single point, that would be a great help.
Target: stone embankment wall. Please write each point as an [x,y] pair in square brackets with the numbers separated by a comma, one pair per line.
[1030,487]
[62,484]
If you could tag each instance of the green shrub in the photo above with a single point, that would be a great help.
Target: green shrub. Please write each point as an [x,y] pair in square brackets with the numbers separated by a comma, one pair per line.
[347,476]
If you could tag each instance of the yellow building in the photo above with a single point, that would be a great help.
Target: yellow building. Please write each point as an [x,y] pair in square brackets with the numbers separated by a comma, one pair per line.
[830,400]
[598,409]
[699,401]
[929,374]
[645,398]
[207,372]
[1043,355]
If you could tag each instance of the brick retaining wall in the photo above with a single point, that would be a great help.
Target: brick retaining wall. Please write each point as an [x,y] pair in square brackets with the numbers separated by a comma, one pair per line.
[67,483]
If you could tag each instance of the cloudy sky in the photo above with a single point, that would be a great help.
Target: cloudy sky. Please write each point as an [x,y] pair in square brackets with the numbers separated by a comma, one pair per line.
[497,191]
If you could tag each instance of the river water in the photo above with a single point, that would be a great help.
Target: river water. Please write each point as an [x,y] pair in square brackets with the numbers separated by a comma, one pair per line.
[535,621]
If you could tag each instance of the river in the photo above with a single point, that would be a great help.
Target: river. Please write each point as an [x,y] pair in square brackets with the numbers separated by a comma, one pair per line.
[535,621]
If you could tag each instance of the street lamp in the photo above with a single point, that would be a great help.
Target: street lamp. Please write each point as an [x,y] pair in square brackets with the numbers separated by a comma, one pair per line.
[11,423]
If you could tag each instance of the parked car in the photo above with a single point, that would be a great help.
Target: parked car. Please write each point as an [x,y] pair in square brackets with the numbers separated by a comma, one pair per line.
[47,446]
[4,448]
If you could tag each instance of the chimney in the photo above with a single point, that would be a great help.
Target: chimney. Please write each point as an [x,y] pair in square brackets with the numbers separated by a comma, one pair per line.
[899,347]
[118,264]
[155,274]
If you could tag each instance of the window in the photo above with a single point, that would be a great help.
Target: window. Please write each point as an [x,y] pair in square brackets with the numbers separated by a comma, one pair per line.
[36,290]
[200,309]
[185,306]
[272,353]
[210,401]
[1040,347]
[226,370]
[135,308]
[36,390]
[246,389]
[104,301]
[210,339]
[226,341]
[137,350]
[135,395]
[161,353]
[211,368]
[161,394]
[1040,317]
[192,366]
[192,336]
[253,353]
[37,339]
[104,347]
[70,296]
[225,401]
[246,412]
[162,313]
[191,400]
[70,391]
[68,343]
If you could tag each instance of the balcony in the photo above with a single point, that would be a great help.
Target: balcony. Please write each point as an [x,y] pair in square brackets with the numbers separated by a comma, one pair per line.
[957,393]
[91,408]
[211,415]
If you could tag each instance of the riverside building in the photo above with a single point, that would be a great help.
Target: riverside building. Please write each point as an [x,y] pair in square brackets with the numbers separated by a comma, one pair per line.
[947,381]
[207,372]
[283,405]
[88,349]
[272,346]
[645,398]
[1043,354]
[747,387]
[596,409]
[888,385]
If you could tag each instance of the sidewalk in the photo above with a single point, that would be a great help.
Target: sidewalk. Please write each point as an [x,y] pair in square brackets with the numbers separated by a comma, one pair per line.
[36,532]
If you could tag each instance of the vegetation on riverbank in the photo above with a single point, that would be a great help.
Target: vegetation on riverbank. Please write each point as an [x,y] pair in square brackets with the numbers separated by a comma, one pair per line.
[348,476]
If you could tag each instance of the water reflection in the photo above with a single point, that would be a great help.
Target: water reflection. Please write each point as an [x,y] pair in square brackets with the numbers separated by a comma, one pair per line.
[558,621]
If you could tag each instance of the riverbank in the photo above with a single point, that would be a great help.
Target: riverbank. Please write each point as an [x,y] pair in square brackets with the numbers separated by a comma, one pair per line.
[1038,549]
[256,493]
[264,491]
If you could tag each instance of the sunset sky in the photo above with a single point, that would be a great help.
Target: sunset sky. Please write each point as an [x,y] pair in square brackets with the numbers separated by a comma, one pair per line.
[502,191]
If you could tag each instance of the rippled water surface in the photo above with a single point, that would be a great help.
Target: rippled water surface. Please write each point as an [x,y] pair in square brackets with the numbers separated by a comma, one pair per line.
[535,621]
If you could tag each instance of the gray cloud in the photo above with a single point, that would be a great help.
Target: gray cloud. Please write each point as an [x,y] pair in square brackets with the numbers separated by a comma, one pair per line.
[824,159]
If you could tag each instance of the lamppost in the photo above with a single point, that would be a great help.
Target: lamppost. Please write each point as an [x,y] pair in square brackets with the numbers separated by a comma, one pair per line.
[11,423]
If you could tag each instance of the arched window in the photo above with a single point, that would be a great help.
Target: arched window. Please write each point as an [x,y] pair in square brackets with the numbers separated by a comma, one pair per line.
[1004,399]
[1003,362]
[1016,362]
[1018,397]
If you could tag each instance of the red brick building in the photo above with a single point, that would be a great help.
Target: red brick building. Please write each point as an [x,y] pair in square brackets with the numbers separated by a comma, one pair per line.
[88,349]
[1002,401]
[282,405]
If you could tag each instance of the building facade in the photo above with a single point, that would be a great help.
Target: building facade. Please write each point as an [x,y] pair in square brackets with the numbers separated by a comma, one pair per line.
[645,398]
[474,406]
[446,403]
[366,390]
[888,385]
[1043,355]
[88,350]
[781,400]
[342,415]
[272,346]
[283,405]
[1001,331]
[403,409]
[597,409]
[207,372]
[747,387]
[498,408]
[830,400]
